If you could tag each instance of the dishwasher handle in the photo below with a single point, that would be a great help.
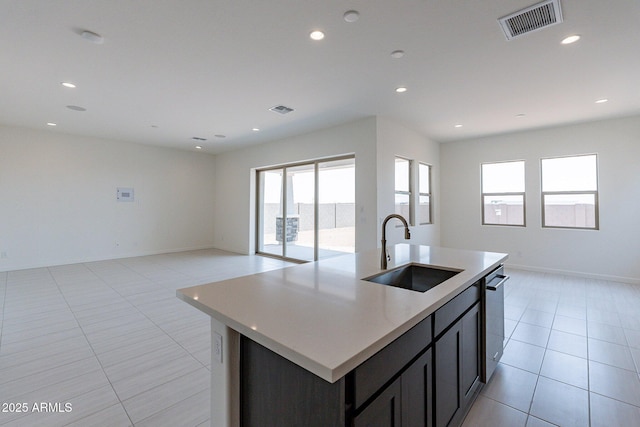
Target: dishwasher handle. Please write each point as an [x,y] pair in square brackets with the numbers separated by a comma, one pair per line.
[501,277]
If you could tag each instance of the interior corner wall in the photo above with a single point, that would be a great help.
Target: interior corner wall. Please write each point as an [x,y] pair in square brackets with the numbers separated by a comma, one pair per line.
[609,253]
[58,199]
[395,140]
[235,210]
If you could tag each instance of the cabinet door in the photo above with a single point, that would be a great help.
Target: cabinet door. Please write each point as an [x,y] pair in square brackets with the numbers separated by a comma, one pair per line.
[447,360]
[470,355]
[457,368]
[378,370]
[416,393]
[384,411]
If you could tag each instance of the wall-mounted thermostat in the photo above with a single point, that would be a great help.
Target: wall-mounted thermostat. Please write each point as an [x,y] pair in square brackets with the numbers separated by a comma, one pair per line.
[125,194]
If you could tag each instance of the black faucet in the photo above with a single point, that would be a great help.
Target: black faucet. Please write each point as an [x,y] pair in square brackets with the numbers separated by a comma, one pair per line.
[407,235]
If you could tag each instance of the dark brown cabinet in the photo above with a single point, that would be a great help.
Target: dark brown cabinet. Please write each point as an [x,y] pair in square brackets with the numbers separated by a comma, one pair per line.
[471,354]
[385,410]
[457,368]
[427,377]
[276,392]
[417,396]
[406,402]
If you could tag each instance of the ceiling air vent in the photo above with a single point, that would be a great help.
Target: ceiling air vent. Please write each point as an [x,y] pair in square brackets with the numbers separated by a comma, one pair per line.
[281,109]
[532,18]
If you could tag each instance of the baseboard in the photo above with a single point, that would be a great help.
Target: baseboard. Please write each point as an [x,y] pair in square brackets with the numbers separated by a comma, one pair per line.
[611,278]
[80,260]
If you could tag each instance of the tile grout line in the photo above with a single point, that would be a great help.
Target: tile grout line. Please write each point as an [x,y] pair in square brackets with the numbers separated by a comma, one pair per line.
[156,325]
[92,349]
[535,388]
[586,321]
[63,283]
[4,302]
[588,293]
[64,364]
[144,314]
[591,301]
[172,405]
[502,403]
[538,375]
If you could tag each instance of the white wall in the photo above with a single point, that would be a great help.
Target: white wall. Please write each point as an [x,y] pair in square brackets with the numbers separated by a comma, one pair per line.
[375,141]
[58,199]
[396,140]
[611,252]
[235,185]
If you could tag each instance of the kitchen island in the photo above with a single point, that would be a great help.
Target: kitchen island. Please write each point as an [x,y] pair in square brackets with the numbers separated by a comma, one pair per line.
[324,320]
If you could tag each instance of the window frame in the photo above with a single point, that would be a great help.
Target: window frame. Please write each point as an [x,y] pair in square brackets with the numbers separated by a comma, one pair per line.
[595,194]
[511,193]
[259,204]
[408,193]
[428,194]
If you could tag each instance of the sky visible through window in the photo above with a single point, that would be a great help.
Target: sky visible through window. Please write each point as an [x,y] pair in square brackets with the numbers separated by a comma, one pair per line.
[560,174]
[505,177]
[570,174]
[337,186]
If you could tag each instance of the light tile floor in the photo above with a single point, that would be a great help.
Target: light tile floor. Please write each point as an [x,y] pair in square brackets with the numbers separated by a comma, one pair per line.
[572,355]
[112,339]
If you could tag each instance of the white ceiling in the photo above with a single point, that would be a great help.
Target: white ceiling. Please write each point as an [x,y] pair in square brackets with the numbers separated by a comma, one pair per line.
[170,70]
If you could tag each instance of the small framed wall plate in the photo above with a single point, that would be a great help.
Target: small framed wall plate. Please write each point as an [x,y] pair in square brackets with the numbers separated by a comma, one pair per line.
[124,194]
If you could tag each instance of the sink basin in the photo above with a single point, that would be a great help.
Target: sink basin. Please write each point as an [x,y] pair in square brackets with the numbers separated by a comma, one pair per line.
[416,277]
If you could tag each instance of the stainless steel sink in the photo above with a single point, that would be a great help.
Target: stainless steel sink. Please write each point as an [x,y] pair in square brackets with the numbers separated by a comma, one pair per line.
[416,277]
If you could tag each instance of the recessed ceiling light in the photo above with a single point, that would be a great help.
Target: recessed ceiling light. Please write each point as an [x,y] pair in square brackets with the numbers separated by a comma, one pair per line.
[571,39]
[602,101]
[52,124]
[76,108]
[401,89]
[68,84]
[198,147]
[458,126]
[198,138]
[351,16]
[397,54]
[255,130]
[316,35]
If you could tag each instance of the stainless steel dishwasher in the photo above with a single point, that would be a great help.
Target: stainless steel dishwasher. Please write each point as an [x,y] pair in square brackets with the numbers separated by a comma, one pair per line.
[493,337]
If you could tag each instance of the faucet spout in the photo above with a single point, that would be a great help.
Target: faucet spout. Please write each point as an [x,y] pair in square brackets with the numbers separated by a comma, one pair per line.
[407,235]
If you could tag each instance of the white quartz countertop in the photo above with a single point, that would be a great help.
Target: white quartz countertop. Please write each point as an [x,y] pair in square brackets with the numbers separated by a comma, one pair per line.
[323,316]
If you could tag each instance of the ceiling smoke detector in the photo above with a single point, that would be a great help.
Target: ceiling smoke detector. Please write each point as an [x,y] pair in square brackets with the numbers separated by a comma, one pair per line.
[281,109]
[532,18]
[351,16]
[92,37]
[76,108]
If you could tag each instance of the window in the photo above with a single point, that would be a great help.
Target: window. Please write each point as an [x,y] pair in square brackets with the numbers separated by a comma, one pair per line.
[424,194]
[503,193]
[403,188]
[570,192]
[306,211]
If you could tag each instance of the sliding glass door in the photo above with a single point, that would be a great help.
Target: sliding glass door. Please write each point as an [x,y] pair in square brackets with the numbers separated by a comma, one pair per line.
[299,236]
[306,211]
[337,207]
[270,215]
